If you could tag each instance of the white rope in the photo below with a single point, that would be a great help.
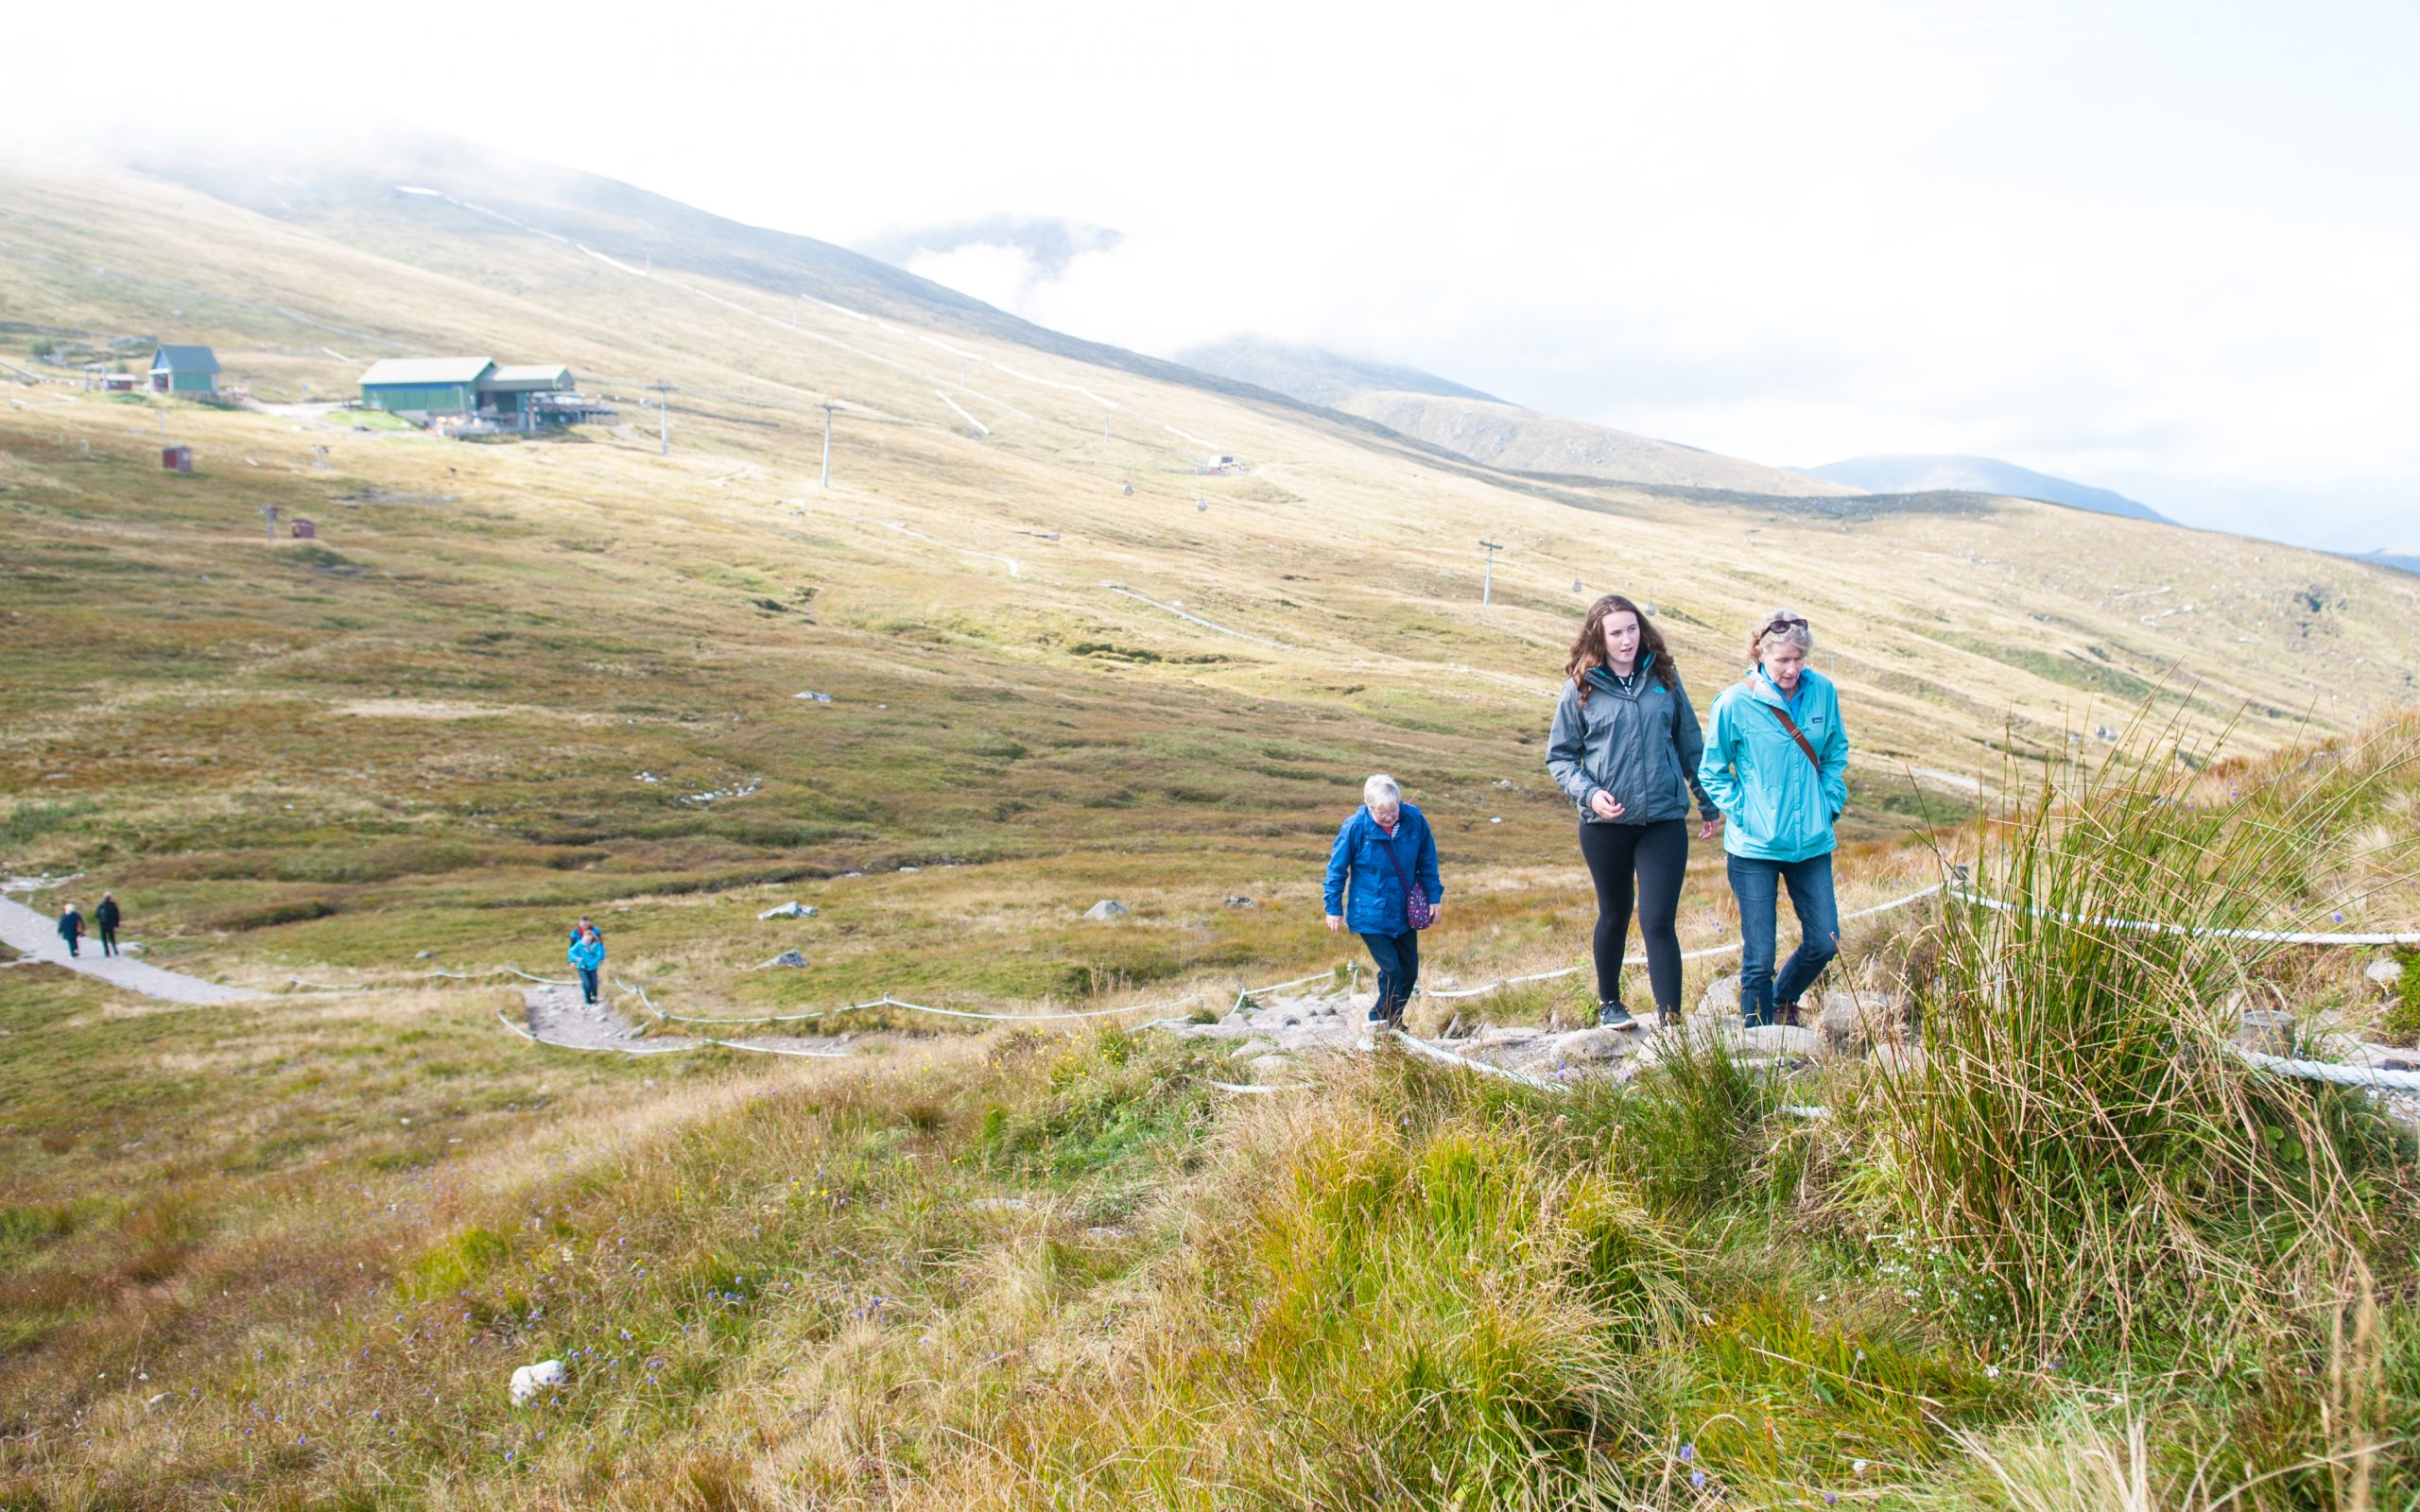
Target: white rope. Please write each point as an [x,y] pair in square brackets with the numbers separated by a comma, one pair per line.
[1423,1048]
[1023,1018]
[503,971]
[1242,1087]
[324,987]
[1244,992]
[2343,1076]
[2266,936]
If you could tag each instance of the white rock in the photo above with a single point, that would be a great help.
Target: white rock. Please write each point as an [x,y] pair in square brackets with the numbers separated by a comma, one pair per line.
[1271,1068]
[793,909]
[1249,1048]
[1721,997]
[1778,1040]
[532,1379]
[791,958]
[1107,909]
[2386,970]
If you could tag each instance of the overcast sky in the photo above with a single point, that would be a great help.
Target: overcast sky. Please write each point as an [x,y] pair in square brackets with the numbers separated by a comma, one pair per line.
[2172,249]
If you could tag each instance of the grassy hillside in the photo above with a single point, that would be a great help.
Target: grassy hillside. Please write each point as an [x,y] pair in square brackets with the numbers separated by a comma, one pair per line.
[287,1254]
[507,680]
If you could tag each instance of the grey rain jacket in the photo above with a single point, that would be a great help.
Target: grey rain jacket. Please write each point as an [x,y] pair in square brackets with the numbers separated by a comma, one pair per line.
[1642,747]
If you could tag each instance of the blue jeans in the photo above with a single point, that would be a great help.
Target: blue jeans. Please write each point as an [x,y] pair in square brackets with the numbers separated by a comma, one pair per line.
[1757,885]
[1398,958]
[587,982]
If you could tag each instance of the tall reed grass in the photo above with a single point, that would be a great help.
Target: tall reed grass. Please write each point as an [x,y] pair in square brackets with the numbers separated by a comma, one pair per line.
[2080,1135]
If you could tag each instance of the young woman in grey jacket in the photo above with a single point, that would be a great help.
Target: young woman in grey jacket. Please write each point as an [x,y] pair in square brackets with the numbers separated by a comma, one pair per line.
[1625,746]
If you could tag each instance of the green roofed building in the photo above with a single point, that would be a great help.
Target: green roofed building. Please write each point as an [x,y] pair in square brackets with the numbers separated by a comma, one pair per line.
[427,385]
[184,371]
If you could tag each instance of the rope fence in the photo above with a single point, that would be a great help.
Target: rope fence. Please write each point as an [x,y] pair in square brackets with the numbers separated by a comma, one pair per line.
[2263,937]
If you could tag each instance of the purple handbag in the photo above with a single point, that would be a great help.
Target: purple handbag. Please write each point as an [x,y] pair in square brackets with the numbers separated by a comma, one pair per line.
[1417,910]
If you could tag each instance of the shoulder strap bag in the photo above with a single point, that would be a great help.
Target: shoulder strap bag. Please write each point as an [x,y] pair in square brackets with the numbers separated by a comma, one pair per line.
[1795,733]
[1417,910]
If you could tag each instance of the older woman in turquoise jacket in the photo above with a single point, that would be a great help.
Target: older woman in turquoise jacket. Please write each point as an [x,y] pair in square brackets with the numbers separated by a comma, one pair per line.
[1776,764]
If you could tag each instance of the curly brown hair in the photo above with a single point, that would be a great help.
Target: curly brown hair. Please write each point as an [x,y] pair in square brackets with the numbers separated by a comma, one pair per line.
[1588,649]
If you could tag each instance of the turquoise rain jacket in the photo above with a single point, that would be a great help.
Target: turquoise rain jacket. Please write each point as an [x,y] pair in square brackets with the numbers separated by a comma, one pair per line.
[1359,855]
[588,954]
[1776,804]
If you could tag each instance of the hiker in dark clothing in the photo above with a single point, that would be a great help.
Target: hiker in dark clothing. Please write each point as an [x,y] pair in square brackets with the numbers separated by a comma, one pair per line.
[1386,858]
[70,928]
[105,917]
[1625,746]
[585,926]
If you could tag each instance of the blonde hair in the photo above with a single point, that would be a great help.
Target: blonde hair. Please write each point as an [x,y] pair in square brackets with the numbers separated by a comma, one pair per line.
[1762,633]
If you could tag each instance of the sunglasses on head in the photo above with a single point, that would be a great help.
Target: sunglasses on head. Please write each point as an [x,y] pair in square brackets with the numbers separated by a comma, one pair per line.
[1782,623]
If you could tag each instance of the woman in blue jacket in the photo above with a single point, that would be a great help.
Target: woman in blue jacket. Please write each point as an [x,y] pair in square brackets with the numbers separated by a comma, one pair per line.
[1383,852]
[1776,764]
[588,954]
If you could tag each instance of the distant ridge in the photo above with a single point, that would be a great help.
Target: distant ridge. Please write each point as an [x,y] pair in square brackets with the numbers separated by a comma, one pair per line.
[1456,418]
[1977,474]
[2403,558]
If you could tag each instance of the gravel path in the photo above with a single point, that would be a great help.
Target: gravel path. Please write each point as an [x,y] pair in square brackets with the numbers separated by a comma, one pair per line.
[36,936]
[557,1017]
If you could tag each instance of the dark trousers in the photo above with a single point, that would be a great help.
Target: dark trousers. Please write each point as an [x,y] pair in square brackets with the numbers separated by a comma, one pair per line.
[71,940]
[1398,958]
[1757,885]
[108,939]
[587,982]
[1656,855]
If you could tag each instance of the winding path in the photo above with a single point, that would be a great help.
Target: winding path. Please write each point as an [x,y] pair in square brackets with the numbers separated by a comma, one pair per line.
[36,935]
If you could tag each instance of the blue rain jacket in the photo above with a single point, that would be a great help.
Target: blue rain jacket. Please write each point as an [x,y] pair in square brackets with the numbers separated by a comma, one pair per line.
[1776,804]
[1359,863]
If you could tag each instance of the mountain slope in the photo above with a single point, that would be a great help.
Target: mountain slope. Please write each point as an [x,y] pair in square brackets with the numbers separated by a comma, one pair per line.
[1466,423]
[1524,440]
[1976,475]
[1315,375]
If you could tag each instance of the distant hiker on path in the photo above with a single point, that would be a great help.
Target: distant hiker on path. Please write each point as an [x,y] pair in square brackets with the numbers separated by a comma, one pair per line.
[588,954]
[71,929]
[1776,764]
[1386,858]
[105,919]
[586,926]
[1625,746]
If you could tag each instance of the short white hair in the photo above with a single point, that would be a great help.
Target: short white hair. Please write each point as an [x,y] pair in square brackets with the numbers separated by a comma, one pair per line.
[1380,791]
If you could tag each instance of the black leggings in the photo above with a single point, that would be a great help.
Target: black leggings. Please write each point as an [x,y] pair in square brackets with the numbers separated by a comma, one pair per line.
[1658,854]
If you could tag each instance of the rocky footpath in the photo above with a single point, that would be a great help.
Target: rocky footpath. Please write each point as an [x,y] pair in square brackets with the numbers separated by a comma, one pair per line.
[1274,1036]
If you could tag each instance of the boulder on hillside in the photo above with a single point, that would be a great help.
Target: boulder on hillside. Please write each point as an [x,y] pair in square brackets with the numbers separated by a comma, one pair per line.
[1239,901]
[793,909]
[790,958]
[2386,971]
[1107,909]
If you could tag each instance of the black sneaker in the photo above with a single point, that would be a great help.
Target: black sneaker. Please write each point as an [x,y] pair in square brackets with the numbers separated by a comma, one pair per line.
[1614,1016]
[1787,1014]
